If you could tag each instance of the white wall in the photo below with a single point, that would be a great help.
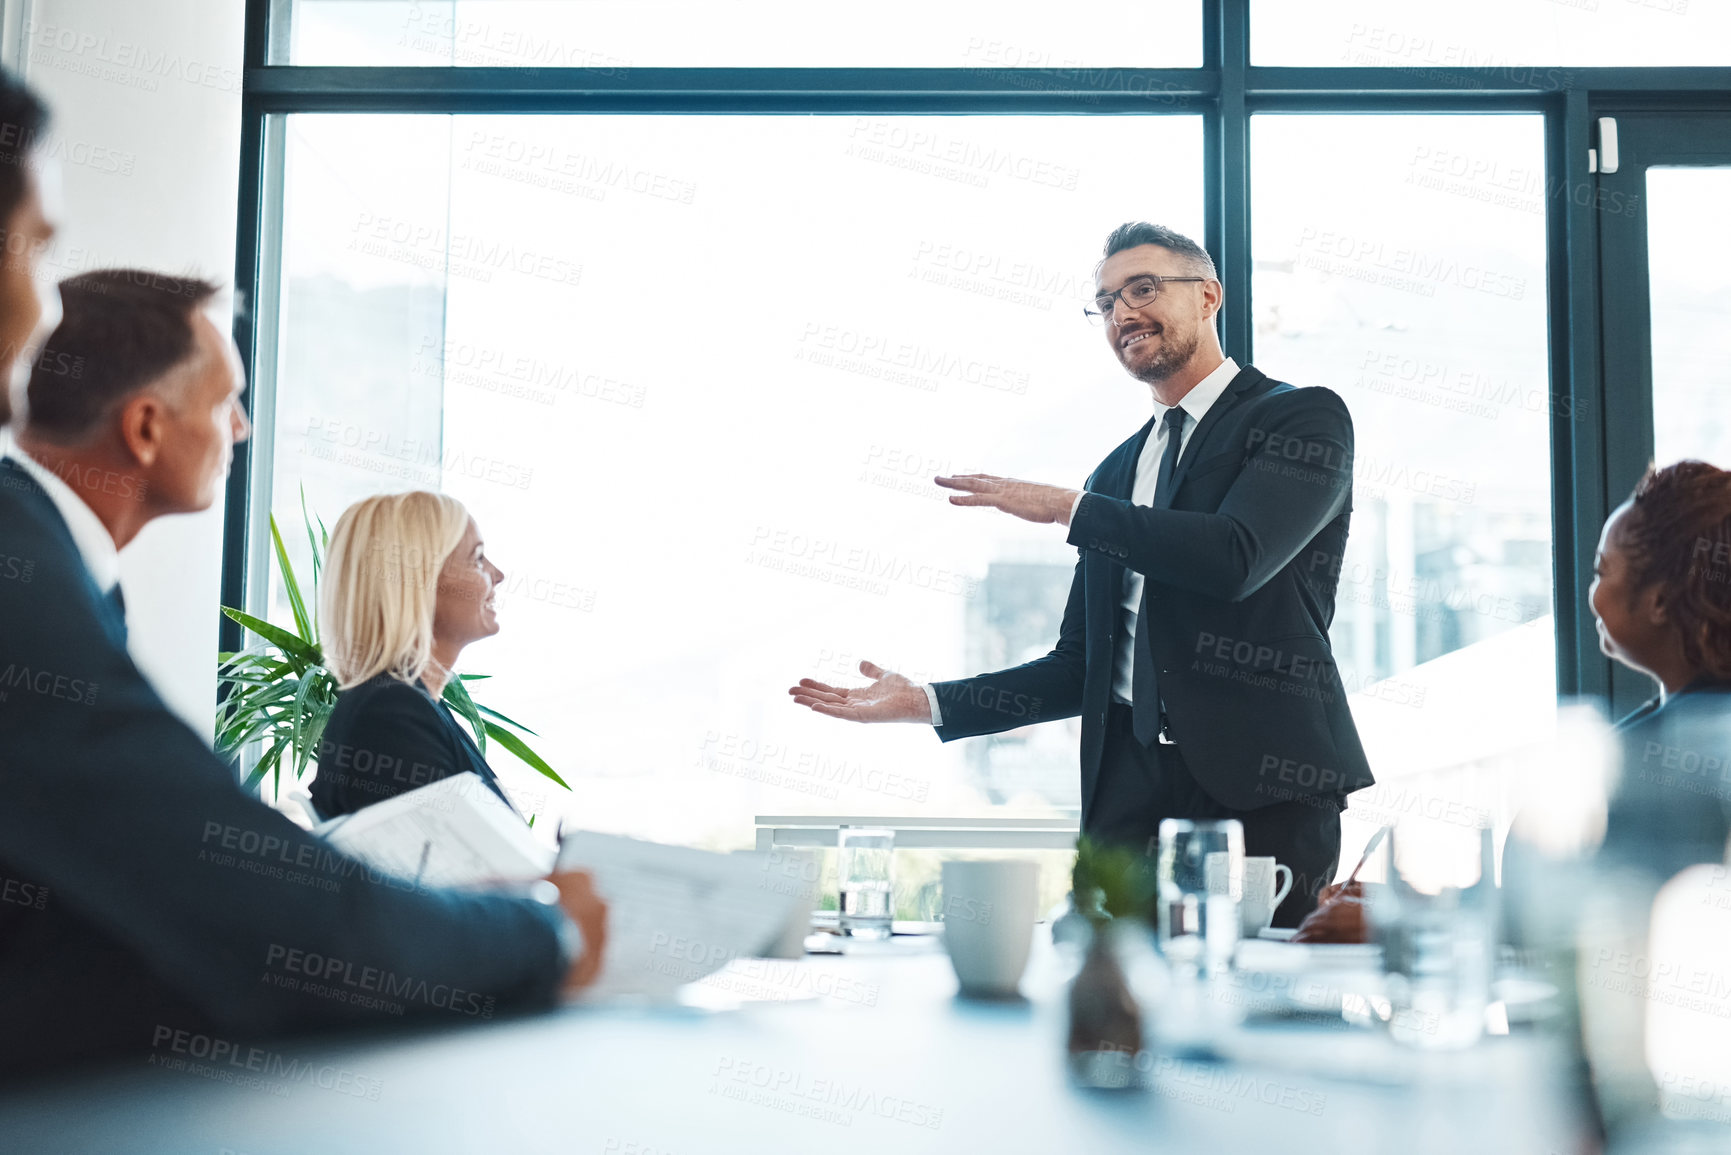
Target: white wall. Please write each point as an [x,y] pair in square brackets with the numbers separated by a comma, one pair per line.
[146,104]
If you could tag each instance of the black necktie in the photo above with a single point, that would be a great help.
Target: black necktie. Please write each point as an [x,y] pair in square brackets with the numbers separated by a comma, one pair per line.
[117,600]
[1144,678]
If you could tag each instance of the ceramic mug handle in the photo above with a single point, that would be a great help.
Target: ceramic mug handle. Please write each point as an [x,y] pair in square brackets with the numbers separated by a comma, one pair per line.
[1285,887]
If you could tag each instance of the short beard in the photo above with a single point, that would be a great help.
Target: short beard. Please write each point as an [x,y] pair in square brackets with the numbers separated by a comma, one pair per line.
[1174,354]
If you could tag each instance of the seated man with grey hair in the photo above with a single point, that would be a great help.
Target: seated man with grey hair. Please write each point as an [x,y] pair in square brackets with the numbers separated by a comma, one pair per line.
[166,902]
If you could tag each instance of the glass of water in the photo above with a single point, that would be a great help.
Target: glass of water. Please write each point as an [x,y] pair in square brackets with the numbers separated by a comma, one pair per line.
[1195,930]
[866,873]
[1439,941]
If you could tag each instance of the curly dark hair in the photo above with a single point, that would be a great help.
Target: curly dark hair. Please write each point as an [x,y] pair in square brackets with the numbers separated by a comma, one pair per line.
[1677,534]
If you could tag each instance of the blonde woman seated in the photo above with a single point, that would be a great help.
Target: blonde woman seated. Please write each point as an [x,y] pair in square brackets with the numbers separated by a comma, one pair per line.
[406,586]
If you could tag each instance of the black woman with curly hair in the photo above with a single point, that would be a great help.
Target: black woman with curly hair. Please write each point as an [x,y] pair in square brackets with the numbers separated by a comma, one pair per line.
[1662,597]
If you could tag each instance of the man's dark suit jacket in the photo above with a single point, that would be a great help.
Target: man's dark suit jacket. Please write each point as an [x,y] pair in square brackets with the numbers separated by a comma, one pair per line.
[143,893]
[387,736]
[1241,559]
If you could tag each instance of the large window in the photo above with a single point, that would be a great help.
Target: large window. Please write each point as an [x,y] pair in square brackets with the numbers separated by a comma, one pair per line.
[1689,249]
[1492,41]
[688,301]
[1411,281]
[694,376]
[606,36]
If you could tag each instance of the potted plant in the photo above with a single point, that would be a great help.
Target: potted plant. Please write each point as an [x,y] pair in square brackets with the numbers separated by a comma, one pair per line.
[280,693]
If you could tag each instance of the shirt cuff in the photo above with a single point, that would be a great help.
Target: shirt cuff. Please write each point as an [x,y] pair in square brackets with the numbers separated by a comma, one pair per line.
[1075,505]
[932,697]
[571,942]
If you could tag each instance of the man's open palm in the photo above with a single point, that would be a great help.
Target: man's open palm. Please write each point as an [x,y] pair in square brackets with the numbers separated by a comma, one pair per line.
[890,698]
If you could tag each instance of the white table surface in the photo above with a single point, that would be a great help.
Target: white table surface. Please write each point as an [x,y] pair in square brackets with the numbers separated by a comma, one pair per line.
[884,1059]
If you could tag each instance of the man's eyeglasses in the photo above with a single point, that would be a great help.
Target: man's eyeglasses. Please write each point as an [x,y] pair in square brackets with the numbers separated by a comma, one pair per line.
[1137,294]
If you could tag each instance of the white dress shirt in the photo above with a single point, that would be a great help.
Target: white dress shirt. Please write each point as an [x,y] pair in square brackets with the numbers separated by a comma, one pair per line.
[1196,405]
[91,537]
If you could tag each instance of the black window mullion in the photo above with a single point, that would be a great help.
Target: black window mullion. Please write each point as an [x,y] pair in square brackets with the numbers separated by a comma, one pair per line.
[731,91]
[255,47]
[1578,483]
[1227,149]
[238,497]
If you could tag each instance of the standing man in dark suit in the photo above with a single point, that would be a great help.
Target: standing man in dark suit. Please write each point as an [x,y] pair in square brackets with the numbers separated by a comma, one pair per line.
[151,905]
[1195,641]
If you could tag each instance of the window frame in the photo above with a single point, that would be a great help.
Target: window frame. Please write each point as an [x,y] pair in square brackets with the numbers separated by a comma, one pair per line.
[1589,456]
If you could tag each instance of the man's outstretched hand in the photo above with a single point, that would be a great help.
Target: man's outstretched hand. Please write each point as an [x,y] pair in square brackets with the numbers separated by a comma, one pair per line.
[1028,500]
[890,698]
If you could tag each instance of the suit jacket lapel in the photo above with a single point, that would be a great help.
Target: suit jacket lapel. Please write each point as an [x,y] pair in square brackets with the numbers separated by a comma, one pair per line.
[15,479]
[1118,475]
[1247,377]
[477,760]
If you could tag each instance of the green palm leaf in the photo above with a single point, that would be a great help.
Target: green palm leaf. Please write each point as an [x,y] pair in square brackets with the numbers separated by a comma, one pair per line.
[488,710]
[520,748]
[271,758]
[245,730]
[298,727]
[296,648]
[292,586]
[457,695]
[318,556]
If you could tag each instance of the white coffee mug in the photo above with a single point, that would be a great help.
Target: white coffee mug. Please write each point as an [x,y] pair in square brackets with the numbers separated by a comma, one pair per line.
[1216,872]
[989,910]
[1261,897]
[1258,898]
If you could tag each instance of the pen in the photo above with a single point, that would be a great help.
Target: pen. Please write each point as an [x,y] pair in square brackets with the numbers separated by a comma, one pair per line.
[426,849]
[1369,847]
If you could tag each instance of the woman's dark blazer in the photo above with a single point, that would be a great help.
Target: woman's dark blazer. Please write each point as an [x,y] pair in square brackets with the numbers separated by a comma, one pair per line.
[385,737]
[1672,806]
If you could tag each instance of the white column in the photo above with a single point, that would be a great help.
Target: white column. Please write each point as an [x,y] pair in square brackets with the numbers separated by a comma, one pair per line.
[145,97]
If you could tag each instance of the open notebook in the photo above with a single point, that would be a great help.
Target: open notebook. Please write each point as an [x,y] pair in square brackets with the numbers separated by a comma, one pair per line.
[674,914]
[453,832]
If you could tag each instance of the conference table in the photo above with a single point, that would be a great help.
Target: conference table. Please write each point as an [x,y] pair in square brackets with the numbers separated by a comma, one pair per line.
[868,1051]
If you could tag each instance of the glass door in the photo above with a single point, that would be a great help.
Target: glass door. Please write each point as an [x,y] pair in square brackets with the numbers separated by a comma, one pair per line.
[1665,249]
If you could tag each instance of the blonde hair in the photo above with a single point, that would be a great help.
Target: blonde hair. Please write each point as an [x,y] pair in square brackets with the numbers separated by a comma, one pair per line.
[380,584]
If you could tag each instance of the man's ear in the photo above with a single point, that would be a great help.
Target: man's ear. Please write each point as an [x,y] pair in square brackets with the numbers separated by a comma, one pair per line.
[144,427]
[1213,297]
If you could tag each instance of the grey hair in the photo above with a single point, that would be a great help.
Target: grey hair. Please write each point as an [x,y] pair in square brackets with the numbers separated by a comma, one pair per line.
[1133,233]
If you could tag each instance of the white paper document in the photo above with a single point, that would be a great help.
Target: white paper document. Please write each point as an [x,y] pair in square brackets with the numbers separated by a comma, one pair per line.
[675,914]
[453,832]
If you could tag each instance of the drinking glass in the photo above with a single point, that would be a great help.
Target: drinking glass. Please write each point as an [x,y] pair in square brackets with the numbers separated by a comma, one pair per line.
[866,875]
[1439,947]
[1193,928]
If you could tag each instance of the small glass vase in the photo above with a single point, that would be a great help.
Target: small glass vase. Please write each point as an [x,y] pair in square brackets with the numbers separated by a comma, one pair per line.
[1105,1039]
